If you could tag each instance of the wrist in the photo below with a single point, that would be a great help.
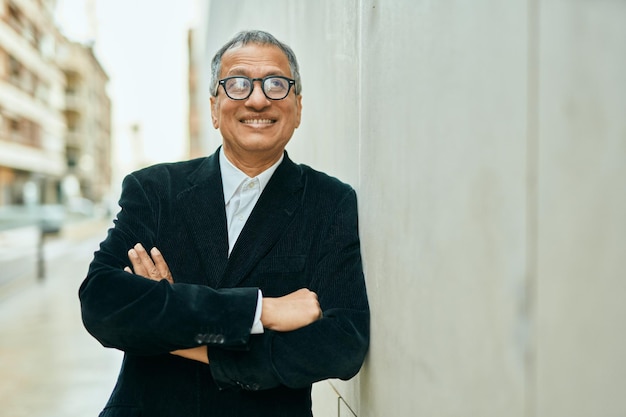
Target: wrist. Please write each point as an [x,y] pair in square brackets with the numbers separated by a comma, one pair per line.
[267,309]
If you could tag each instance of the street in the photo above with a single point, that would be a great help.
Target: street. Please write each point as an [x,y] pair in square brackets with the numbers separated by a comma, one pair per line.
[50,365]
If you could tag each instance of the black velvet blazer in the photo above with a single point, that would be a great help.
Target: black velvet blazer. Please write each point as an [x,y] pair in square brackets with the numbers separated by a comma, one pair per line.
[303,232]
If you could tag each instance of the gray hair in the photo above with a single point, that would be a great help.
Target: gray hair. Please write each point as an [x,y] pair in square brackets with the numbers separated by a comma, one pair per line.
[257,37]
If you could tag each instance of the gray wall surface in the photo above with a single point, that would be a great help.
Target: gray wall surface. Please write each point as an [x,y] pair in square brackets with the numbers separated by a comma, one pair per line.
[487,144]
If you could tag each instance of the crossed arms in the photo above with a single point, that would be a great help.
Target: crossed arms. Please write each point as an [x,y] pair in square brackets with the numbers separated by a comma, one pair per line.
[298,347]
[283,314]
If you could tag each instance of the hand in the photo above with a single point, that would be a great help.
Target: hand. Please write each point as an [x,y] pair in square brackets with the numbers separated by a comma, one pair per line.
[199,354]
[154,268]
[291,312]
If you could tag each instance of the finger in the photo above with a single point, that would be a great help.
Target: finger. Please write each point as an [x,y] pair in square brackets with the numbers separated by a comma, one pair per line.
[127,269]
[147,262]
[161,265]
[136,263]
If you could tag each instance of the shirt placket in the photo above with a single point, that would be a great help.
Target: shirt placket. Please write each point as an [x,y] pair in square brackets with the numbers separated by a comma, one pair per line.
[245,198]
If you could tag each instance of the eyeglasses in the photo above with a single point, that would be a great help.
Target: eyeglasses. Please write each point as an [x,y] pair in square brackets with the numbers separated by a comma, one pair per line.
[274,87]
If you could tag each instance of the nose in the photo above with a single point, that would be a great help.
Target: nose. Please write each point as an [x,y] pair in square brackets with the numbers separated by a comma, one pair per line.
[257,99]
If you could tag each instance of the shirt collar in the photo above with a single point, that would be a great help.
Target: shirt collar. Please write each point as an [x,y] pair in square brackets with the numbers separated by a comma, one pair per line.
[232,177]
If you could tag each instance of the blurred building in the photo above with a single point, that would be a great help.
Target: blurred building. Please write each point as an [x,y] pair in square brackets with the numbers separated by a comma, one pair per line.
[32,128]
[55,135]
[195,146]
[87,116]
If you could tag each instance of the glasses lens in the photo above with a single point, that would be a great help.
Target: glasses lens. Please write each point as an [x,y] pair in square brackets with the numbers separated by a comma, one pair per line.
[237,87]
[276,88]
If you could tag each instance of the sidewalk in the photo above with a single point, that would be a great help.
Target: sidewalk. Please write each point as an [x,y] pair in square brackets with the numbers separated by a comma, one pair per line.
[18,254]
[19,250]
[50,365]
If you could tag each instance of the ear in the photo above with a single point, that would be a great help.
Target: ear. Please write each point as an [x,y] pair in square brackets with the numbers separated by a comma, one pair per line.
[298,110]
[214,118]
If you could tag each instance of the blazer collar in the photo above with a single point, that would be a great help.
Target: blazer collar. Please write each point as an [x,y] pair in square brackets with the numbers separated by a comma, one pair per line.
[202,207]
[275,209]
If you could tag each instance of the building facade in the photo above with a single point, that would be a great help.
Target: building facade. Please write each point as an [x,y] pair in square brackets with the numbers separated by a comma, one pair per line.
[32,129]
[196,149]
[87,116]
[55,123]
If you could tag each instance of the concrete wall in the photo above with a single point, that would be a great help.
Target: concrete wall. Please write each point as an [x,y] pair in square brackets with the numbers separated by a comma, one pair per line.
[581,206]
[487,144]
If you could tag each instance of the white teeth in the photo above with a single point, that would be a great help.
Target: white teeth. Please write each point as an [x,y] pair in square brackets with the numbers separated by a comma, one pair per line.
[258,121]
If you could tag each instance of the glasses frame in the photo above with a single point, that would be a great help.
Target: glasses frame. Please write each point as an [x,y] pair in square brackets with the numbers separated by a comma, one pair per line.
[222,82]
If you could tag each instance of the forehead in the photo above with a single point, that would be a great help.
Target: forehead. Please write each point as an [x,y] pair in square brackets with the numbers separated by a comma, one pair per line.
[255,60]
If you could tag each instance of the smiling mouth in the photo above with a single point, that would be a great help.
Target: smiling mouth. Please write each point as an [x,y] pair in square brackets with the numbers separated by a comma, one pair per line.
[258,121]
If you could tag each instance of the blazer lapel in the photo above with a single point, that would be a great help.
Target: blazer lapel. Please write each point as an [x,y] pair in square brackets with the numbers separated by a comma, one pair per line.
[275,209]
[202,208]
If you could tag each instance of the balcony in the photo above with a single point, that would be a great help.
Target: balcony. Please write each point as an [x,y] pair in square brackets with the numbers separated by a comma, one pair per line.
[73,139]
[74,101]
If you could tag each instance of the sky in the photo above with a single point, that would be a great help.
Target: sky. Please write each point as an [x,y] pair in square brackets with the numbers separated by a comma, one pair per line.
[142,45]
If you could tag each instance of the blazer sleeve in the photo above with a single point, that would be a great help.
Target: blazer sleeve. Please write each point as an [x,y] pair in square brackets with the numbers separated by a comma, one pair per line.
[332,347]
[145,317]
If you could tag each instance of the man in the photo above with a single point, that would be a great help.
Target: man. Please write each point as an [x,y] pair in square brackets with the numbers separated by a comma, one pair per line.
[252,288]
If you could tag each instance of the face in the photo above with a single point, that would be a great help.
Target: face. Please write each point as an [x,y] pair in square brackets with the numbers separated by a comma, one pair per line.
[256,128]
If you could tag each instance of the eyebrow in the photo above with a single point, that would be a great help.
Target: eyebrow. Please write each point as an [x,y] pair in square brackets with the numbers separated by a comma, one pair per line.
[244,72]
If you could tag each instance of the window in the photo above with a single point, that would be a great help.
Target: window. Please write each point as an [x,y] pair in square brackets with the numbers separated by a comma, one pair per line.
[14,17]
[23,131]
[14,130]
[15,71]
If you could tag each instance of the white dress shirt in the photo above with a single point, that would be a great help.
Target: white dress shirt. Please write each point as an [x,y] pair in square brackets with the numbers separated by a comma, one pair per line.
[241,194]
